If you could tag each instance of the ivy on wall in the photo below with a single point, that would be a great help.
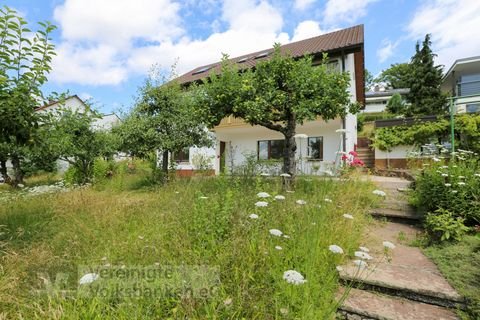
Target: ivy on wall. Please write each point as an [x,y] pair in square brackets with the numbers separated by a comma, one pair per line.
[467,133]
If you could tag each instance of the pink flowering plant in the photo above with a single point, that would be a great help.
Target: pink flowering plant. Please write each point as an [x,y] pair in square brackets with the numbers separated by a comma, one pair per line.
[352,160]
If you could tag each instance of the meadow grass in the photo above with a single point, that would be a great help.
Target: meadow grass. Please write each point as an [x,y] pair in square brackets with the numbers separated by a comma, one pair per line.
[117,224]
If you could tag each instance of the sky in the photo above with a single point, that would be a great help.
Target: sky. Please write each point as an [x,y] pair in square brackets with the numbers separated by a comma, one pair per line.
[105,48]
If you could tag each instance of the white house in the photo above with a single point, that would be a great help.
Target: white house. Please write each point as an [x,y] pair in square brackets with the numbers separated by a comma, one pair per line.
[462,81]
[319,142]
[377,100]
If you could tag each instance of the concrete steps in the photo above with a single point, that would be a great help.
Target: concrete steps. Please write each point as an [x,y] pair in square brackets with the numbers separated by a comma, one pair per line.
[363,304]
[401,283]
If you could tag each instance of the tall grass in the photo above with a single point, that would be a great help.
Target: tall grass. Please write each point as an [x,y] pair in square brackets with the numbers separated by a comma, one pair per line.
[173,225]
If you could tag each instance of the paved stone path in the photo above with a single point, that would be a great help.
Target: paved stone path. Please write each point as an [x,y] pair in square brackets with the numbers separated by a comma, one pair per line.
[404,284]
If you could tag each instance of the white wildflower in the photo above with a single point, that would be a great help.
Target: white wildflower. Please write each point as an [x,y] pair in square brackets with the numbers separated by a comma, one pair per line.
[285,175]
[140,237]
[444,167]
[286,237]
[335,249]
[388,245]
[261,204]
[328,200]
[253,216]
[294,277]
[20,185]
[283,311]
[436,159]
[263,195]
[461,177]
[301,202]
[360,264]
[278,248]
[448,184]
[454,191]
[477,174]
[275,232]
[348,216]
[279,197]
[290,191]
[203,197]
[461,183]
[444,174]
[363,255]
[227,301]
[264,174]
[364,249]
[339,268]
[379,193]
[88,278]
[314,223]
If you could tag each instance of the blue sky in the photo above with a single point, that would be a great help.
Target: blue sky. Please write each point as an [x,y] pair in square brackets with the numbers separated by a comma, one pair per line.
[106,47]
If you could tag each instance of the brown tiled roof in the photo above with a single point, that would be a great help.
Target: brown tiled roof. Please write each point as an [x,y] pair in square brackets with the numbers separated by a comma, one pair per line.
[341,39]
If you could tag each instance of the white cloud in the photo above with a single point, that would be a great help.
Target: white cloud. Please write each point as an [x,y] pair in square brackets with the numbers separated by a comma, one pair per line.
[303,4]
[306,29]
[454,27]
[386,50]
[105,52]
[345,11]
[97,65]
[117,22]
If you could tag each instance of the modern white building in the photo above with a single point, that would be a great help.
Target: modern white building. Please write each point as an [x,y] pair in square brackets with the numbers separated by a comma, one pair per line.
[377,100]
[462,81]
[319,142]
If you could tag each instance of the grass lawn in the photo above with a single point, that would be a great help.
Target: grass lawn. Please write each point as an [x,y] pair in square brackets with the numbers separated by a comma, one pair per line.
[196,223]
[460,263]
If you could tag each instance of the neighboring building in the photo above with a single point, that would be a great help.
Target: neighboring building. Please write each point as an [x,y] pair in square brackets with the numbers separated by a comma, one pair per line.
[319,141]
[462,81]
[74,103]
[377,100]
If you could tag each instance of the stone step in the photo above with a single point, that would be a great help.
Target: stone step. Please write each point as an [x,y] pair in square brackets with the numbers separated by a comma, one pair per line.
[396,215]
[397,204]
[361,304]
[406,272]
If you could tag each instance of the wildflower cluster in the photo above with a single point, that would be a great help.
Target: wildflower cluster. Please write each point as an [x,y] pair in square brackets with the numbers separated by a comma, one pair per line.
[351,159]
[448,192]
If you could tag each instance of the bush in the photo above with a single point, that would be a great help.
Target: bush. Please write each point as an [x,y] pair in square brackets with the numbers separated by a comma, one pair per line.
[442,225]
[452,188]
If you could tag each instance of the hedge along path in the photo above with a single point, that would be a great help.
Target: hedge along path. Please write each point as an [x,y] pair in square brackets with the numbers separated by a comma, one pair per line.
[405,286]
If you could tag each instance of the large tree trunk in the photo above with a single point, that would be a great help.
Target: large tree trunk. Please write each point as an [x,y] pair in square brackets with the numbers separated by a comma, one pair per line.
[17,171]
[289,165]
[3,171]
[165,162]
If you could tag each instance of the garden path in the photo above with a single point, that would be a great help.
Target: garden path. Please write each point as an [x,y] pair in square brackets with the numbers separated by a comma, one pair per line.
[404,284]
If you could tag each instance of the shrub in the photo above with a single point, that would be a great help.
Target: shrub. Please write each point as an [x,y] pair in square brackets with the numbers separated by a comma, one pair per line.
[453,188]
[442,225]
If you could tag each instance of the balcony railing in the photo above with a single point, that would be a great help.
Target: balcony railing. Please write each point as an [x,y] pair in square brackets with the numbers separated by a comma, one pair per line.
[231,121]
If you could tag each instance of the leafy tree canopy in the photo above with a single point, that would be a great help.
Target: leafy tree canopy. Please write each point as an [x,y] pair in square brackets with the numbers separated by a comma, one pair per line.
[278,94]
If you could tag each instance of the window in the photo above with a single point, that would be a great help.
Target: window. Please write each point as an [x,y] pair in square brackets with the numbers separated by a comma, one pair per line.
[182,155]
[333,65]
[270,149]
[315,148]
[473,107]
[469,85]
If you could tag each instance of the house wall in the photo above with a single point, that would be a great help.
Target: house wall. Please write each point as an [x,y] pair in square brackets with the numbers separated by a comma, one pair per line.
[397,158]
[243,141]
[188,168]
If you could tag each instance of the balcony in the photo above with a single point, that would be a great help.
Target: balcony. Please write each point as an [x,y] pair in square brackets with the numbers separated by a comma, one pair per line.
[231,122]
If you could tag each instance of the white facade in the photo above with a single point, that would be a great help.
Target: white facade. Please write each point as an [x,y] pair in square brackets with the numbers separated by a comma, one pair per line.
[241,140]
[376,101]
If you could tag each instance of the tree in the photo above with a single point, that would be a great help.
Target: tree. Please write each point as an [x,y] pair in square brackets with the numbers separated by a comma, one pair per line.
[396,105]
[78,143]
[164,119]
[397,76]
[369,80]
[25,60]
[425,95]
[279,94]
